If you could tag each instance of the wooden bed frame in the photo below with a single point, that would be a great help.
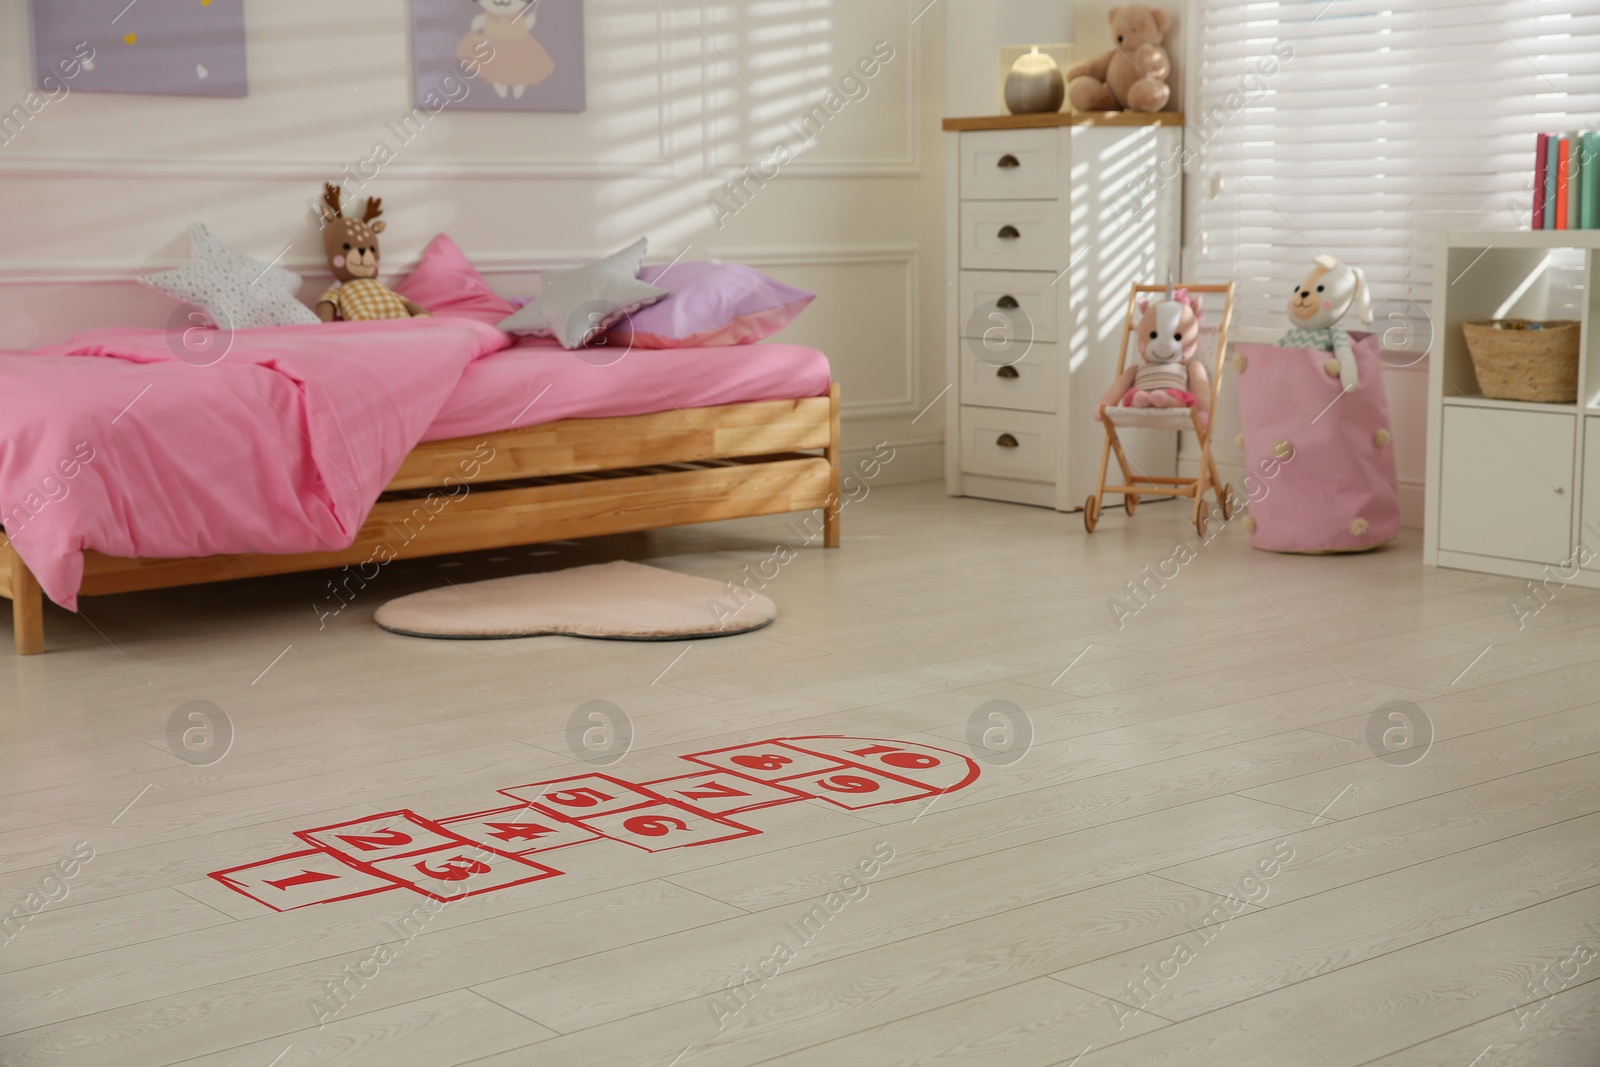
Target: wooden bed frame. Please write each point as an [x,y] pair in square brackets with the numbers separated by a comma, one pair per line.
[561,480]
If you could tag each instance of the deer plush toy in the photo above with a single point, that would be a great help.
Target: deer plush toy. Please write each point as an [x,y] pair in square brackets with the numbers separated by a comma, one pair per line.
[352,248]
[1167,375]
[1315,308]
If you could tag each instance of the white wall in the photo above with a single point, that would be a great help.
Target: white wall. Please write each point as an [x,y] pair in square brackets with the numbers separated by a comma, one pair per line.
[682,93]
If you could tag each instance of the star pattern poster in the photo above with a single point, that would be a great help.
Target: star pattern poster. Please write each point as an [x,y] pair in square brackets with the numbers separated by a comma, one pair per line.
[178,47]
[508,55]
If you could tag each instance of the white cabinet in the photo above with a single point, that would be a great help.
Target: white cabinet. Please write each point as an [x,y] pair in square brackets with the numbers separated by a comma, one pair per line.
[1050,219]
[1513,487]
[1507,483]
[1590,533]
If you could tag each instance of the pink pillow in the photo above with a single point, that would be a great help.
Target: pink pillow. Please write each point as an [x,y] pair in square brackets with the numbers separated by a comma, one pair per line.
[711,305]
[448,286]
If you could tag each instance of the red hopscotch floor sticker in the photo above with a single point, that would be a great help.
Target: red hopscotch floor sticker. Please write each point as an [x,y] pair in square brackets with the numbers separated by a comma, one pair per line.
[510,845]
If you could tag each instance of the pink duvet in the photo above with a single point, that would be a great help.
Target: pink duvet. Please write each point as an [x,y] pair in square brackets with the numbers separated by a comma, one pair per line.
[110,442]
[538,382]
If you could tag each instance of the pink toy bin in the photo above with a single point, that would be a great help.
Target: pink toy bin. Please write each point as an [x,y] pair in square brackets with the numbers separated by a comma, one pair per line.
[1320,464]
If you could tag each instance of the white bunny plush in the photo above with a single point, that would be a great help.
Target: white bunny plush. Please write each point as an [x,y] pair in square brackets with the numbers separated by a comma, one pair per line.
[1316,307]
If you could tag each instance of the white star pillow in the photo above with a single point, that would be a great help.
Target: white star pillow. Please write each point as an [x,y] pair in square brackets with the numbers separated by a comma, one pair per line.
[239,293]
[578,304]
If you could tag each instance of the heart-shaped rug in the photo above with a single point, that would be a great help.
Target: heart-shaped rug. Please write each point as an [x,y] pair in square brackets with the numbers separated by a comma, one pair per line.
[612,601]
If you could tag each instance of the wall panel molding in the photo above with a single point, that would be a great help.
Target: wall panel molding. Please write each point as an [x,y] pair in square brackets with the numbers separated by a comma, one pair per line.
[107,272]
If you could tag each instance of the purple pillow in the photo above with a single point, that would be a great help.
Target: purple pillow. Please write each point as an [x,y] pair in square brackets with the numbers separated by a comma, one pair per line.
[711,305]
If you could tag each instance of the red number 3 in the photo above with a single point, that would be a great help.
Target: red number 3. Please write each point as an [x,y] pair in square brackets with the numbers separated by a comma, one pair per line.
[455,869]
[653,825]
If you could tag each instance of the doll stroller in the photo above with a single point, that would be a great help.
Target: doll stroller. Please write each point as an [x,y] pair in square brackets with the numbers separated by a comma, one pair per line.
[1213,345]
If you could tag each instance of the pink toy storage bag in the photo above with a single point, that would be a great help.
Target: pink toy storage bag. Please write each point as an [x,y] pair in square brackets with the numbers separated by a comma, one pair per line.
[1337,490]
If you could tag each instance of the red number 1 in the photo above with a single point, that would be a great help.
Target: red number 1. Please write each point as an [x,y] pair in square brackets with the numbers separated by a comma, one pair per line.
[301,879]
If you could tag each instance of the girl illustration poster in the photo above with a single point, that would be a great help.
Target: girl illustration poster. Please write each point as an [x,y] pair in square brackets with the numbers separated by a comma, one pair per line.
[515,55]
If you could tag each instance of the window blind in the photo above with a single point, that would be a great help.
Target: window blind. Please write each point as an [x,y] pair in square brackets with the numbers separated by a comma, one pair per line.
[1360,128]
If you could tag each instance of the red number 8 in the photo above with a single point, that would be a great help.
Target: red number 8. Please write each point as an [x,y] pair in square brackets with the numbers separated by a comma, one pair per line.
[762,763]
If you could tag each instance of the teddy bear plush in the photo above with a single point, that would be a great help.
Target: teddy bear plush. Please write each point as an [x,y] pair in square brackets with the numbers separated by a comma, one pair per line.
[1330,292]
[1167,375]
[1133,75]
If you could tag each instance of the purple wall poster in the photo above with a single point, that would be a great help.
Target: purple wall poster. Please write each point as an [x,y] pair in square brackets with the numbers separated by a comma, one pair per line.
[183,47]
[520,55]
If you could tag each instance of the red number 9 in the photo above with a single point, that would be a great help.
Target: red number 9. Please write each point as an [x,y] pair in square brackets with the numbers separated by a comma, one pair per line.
[848,783]
[653,825]
[762,763]
[456,869]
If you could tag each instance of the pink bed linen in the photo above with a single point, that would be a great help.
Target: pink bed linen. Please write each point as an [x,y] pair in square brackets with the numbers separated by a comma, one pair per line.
[541,382]
[111,442]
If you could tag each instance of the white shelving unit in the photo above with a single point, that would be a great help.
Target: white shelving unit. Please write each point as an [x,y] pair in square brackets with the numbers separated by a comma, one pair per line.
[1051,218]
[1513,488]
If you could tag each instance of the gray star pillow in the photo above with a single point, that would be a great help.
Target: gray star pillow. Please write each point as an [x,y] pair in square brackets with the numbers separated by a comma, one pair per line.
[578,304]
[238,292]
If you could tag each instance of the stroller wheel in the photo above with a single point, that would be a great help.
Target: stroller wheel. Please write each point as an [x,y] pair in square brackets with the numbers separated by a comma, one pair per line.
[1091,513]
[1130,503]
[1225,498]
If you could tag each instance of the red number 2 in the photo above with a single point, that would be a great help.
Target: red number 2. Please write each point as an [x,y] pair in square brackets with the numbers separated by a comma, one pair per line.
[373,842]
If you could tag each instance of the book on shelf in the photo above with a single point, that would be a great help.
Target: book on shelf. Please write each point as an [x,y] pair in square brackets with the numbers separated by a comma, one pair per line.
[1552,160]
[1540,166]
[1566,181]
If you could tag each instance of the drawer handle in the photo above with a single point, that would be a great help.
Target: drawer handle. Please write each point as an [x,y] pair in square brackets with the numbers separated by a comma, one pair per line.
[1005,440]
[1009,371]
[1009,162]
[1009,233]
[1007,303]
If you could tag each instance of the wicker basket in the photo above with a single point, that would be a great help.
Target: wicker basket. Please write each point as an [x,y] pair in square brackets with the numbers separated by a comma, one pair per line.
[1539,365]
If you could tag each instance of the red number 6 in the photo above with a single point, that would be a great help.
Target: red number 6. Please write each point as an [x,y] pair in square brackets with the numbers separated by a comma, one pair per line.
[653,825]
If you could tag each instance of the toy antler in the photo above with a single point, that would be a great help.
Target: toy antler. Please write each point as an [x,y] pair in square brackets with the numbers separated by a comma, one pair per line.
[331,196]
[374,208]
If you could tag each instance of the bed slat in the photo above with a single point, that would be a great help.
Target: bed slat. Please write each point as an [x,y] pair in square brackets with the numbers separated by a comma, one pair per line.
[573,446]
[495,518]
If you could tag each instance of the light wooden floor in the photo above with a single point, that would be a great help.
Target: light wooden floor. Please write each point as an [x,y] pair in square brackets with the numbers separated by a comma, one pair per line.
[1446,912]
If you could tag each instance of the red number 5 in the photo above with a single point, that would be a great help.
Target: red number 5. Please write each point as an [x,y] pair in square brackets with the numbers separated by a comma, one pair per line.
[455,869]
[577,798]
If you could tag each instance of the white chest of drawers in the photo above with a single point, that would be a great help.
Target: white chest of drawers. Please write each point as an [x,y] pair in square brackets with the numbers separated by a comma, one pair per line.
[1050,219]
